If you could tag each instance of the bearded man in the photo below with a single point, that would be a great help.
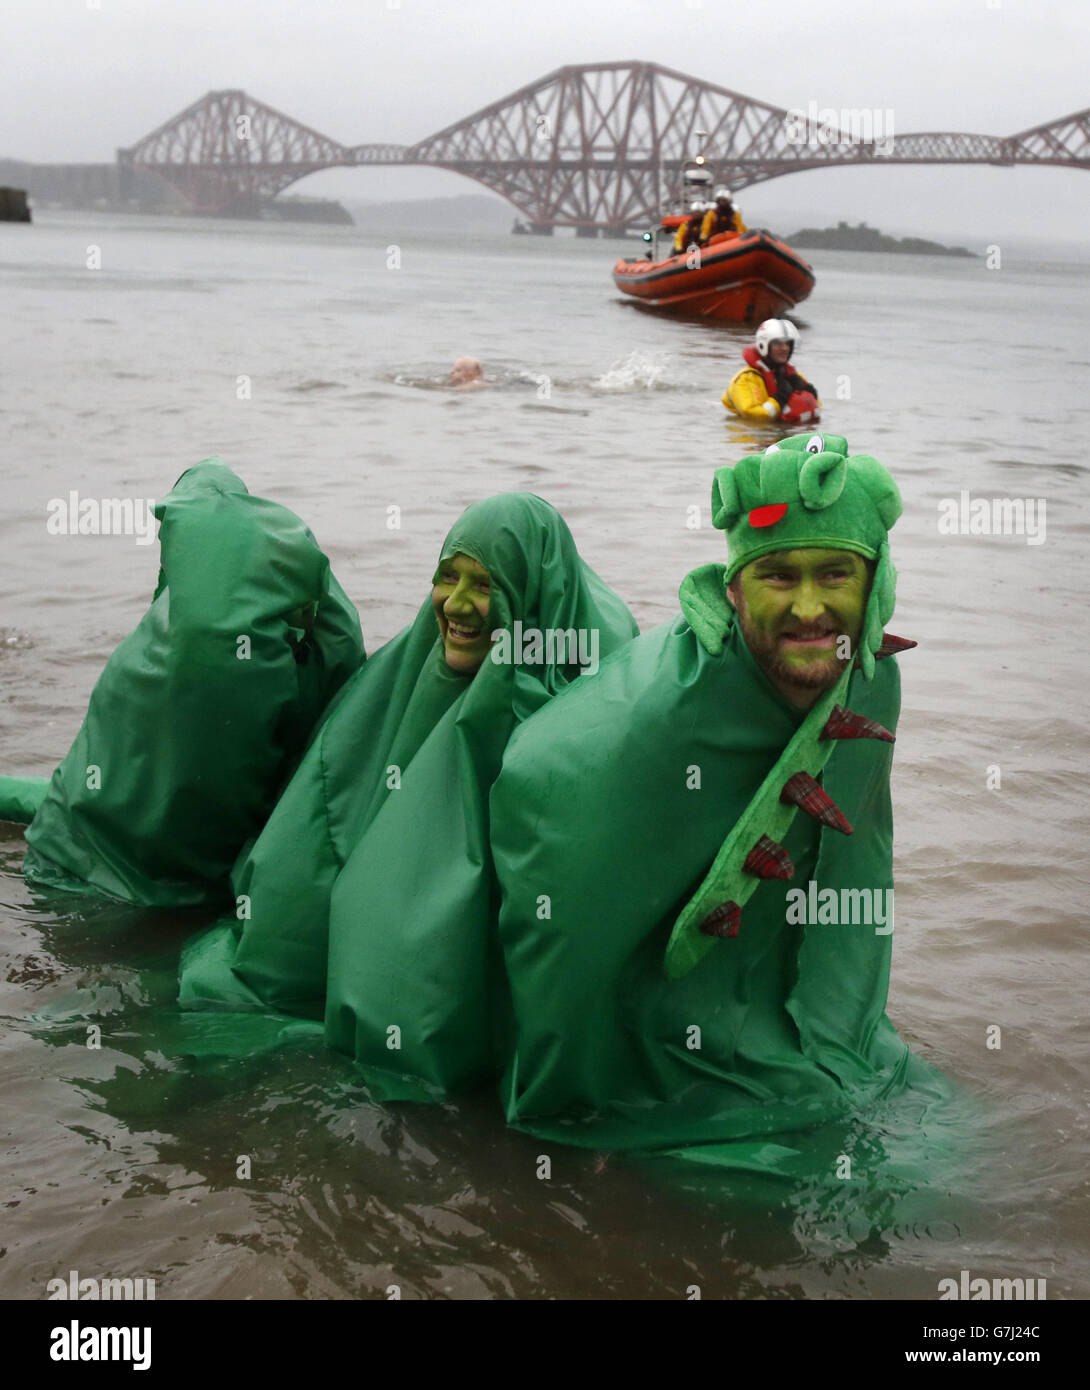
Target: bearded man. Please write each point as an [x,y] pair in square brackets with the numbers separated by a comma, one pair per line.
[695,845]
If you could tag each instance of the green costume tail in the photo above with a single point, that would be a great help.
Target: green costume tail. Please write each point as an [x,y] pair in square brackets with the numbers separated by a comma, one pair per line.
[20,798]
[202,711]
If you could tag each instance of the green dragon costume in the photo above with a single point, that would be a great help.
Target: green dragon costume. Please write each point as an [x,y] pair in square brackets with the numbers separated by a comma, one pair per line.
[202,711]
[660,1002]
[374,869]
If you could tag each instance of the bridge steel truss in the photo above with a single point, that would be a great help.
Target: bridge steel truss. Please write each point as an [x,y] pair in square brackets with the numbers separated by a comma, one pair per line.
[597,146]
[228,153]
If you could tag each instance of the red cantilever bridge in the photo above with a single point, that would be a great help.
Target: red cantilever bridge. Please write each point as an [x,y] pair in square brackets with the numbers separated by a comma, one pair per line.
[591,147]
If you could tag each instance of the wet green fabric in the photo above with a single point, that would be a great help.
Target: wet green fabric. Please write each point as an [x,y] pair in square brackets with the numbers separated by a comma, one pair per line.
[766,814]
[597,812]
[20,798]
[840,502]
[202,711]
[615,821]
[382,896]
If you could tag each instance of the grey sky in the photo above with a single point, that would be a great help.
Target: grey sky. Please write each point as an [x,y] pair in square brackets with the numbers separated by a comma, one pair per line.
[85,76]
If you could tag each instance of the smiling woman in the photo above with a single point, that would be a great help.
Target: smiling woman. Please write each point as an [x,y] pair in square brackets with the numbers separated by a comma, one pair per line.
[461,597]
[337,886]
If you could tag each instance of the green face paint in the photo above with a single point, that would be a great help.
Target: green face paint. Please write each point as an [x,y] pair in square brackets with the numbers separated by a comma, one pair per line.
[461,597]
[795,607]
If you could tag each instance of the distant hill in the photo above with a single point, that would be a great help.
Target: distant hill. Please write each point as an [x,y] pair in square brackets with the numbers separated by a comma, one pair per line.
[468,212]
[864,238]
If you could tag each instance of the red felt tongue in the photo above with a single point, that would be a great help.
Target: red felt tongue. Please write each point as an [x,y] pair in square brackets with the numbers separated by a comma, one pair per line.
[768,516]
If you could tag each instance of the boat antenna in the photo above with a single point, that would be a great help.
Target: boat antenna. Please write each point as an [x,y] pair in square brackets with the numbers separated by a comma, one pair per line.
[699,161]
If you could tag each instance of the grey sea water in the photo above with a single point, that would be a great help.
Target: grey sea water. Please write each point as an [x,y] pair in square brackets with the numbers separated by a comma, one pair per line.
[310,359]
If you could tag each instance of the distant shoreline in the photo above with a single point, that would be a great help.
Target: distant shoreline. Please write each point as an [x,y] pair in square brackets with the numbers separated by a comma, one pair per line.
[864,238]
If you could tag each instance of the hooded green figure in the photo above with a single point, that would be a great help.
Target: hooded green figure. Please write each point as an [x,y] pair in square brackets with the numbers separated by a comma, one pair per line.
[372,882]
[695,929]
[203,710]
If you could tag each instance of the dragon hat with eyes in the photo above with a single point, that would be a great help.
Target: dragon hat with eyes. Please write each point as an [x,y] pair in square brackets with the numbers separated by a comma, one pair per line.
[806,491]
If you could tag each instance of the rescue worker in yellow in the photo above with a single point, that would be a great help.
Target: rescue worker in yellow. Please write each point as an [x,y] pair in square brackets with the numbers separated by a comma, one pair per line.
[689,233]
[722,216]
[768,388]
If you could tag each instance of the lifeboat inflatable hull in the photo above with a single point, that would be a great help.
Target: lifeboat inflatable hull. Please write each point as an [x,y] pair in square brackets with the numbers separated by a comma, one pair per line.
[742,278]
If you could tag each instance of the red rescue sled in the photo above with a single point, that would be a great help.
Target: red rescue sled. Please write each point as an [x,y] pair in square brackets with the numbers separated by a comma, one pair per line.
[742,278]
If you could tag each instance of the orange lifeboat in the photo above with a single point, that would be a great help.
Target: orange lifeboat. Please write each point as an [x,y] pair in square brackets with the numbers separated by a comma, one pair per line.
[744,278]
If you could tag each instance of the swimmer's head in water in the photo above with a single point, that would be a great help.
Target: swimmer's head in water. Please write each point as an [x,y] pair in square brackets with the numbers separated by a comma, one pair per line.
[461,598]
[465,369]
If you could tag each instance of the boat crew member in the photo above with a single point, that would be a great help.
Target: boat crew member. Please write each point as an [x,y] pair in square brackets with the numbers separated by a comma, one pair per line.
[768,387]
[722,216]
[688,234]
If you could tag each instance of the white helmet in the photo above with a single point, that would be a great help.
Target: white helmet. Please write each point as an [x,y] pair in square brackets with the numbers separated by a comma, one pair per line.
[724,193]
[697,207]
[776,331]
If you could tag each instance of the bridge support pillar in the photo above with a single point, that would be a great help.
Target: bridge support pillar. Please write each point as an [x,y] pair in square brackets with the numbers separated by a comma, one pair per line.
[586,231]
[124,176]
[541,228]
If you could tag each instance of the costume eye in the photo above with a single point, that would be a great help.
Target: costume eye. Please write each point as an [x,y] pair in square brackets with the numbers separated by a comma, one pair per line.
[773,449]
[815,444]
